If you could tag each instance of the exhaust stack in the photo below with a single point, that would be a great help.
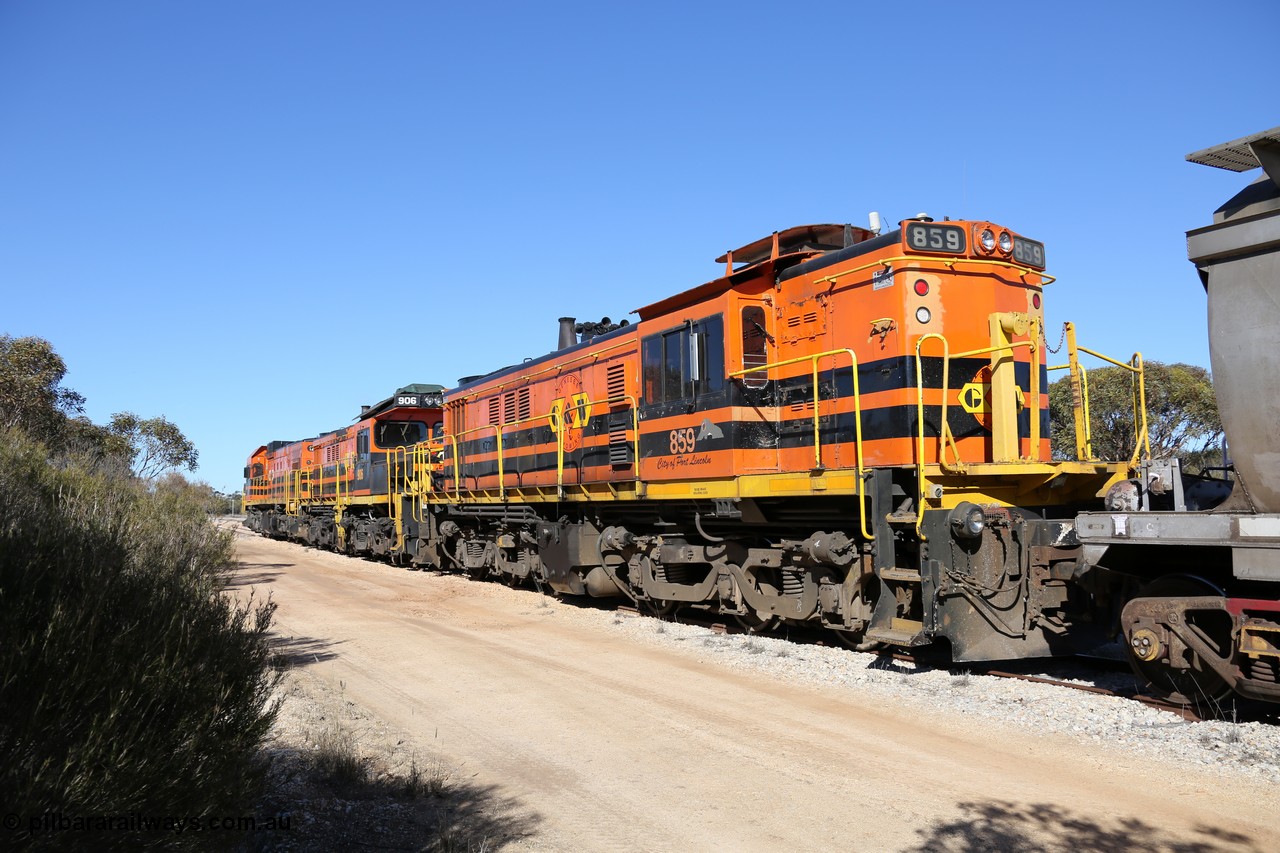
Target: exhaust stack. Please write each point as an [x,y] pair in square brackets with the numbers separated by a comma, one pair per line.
[568,337]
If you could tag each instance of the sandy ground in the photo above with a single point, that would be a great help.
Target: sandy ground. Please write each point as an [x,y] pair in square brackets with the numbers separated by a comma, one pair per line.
[563,737]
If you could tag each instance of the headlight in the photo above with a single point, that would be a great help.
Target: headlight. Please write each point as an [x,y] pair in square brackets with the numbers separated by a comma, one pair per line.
[987,240]
[967,521]
[1006,242]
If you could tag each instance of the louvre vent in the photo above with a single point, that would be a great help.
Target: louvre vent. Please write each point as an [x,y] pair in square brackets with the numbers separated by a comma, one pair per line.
[523,409]
[457,417]
[619,447]
[617,382]
[804,324]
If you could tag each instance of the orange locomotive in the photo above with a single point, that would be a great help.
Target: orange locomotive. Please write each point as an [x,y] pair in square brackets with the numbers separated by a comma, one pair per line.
[335,490]
[845,429]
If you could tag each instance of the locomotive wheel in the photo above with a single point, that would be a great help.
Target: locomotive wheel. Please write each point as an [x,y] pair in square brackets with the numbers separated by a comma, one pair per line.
[1198,684]
[753,623]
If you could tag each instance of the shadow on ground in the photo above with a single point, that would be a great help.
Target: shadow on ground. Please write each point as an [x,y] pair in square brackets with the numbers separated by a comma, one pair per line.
[255,574]
[290,652]
[1047,828]
[316,806]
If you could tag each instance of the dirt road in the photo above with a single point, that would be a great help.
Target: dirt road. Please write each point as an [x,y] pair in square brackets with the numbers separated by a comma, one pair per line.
[581,740]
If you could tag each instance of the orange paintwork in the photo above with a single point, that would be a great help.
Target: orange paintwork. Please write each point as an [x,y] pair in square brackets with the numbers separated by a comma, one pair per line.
[335,451]
[853,304]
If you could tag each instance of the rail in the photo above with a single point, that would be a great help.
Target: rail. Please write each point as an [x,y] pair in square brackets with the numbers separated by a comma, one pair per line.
[817,404]
[1080,398]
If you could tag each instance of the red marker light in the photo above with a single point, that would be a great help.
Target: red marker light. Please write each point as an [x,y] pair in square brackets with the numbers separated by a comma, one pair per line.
[922,287]
[1035,300]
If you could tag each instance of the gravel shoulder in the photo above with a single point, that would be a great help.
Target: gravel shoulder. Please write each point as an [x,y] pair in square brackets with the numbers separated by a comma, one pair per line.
[557,726]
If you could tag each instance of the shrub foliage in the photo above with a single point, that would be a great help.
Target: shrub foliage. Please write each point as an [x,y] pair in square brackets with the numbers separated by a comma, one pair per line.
[128,682]
[1182,413]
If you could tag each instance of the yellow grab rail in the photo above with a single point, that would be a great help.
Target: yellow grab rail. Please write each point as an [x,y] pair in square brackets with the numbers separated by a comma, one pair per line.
[1022,271]
[945,436]
[437,445]
[1080,397]
[608,401]
[817,443]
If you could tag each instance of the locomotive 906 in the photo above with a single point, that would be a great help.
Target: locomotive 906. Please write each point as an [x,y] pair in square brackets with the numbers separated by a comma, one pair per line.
[335,490]
[845,429]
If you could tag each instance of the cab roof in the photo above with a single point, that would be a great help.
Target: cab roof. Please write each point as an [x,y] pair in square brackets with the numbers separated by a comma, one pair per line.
[390,403]
[794,244]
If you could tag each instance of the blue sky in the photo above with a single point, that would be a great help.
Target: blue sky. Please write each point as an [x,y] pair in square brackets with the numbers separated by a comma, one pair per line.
[252,217]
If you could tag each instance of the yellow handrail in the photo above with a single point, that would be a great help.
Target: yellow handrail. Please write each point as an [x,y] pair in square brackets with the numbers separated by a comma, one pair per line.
[457,461]
[944,432]
[1022,271]
[608,401]
[1144,438]
[339,505]
[1080,403]
[1088,419]
[437,445]
[857,417]
[412,463]
[945,435]
[292,488]
[393,456]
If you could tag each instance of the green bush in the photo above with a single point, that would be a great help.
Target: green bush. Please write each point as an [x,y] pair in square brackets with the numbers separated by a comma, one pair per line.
[129,684]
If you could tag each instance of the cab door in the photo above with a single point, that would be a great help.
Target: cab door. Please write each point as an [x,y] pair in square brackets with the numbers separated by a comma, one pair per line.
[364,461]
[754,395]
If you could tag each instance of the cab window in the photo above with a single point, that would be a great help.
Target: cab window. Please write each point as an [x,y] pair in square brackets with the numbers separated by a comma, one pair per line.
[684,362]
[755,352]
[399,433]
